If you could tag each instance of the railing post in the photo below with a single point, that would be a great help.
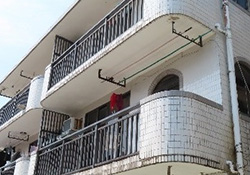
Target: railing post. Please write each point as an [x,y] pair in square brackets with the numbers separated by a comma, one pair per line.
[1,118]
[105,40]
[81,151]
[75,57]
[50,77]
[14,107]
[95,146]
[61,161]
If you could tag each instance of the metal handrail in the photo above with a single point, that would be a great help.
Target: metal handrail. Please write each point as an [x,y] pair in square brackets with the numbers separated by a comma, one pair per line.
[120,19]
[94,28]
[109,139]
[11,107]
[81,131]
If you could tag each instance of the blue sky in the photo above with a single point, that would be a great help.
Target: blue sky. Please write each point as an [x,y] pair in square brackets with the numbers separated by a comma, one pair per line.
[22,24]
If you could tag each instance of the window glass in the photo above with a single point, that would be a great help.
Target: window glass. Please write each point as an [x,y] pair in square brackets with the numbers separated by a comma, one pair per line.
[33,146]
[243,72]
[242,3]
[91,117]
[104,110]
[169,82]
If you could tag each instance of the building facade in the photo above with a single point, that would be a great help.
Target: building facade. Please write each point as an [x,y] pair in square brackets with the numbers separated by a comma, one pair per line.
[136,87]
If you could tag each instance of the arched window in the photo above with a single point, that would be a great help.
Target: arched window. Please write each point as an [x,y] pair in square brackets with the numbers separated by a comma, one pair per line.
[169,82]
[242,72]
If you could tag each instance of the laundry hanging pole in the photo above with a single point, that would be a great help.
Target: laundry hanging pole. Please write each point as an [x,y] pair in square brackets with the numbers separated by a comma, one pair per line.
[166,56]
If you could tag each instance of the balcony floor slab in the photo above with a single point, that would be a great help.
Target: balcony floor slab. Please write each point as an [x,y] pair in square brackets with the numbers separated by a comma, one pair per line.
[28,122]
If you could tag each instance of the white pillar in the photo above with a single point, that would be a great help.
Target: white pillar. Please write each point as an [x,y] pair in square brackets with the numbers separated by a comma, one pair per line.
[22,166]
[35,93]
[46,81]
[32,163]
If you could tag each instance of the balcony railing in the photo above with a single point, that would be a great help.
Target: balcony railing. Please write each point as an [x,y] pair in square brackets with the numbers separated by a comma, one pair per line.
[14,106]
[51,127]
[123,17]
[107,140]
[8,169]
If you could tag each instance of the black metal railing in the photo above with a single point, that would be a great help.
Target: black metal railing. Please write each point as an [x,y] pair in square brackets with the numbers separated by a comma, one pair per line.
[15,105]
[8,169]
[51,127]
[124,16]
[60,46]
[112,138]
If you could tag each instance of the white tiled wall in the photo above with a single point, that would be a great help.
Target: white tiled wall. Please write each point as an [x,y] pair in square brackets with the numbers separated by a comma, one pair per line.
[240,24]
[190,128]
[185,126]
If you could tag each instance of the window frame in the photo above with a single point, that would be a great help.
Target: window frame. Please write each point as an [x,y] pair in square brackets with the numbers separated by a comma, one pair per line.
[96,111]
[242,93]
[239,2]
[160,76]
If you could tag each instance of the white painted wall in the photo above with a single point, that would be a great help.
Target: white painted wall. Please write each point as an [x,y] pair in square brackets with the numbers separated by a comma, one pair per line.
[23,147]
[200,70]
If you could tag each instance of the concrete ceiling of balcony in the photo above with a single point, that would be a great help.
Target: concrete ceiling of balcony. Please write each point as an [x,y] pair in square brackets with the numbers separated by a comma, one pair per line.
[70,26]
[176,169]
[28,122]
[132,55]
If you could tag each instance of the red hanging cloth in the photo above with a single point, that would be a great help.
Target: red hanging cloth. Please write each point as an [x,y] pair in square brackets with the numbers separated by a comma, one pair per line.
[116,102]
[112,102]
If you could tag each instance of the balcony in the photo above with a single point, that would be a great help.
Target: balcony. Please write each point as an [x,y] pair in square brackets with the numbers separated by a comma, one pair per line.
[107,30]
[170,131]
[14,106]
[110,46]
[20,111]
[96,144]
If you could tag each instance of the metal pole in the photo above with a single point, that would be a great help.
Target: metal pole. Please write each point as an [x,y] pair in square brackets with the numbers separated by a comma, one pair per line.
[233,90]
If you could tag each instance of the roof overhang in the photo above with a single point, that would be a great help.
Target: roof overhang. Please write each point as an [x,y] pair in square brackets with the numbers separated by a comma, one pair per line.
[71,26]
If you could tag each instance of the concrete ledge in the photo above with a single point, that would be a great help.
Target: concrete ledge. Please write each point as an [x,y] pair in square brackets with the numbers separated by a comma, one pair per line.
[22,159]
[176,93]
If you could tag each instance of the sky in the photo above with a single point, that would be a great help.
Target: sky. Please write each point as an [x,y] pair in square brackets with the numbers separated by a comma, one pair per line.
[22,24]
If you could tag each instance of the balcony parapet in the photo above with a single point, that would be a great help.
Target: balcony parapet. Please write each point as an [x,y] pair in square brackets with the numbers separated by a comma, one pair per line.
[14,106]
[185,127]
[26,100]
[170,126]
[112,138]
